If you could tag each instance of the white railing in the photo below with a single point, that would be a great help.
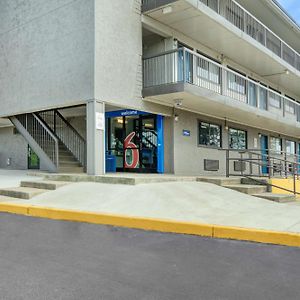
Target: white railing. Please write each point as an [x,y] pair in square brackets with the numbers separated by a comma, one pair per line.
[245,21]
[185,66]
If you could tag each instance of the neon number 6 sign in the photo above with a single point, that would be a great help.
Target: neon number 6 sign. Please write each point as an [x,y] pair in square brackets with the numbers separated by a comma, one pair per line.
[130,146]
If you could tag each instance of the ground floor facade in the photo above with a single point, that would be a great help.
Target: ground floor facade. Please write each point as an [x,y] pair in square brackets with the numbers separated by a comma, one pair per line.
[184,143]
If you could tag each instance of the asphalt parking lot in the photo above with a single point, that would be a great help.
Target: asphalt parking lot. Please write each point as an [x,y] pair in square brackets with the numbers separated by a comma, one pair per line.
[46,259]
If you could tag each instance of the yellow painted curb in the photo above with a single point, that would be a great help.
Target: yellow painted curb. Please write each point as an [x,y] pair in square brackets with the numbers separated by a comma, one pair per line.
[162,225]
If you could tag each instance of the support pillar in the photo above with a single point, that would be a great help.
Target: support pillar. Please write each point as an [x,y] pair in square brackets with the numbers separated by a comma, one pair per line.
[95,119]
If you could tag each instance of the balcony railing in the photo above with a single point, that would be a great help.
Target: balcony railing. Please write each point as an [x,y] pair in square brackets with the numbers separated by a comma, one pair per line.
[239,17]
[185,66]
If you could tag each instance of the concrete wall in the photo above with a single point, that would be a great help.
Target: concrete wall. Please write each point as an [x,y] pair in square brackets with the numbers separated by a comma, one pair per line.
[12,146]
[46,54]
[189,155]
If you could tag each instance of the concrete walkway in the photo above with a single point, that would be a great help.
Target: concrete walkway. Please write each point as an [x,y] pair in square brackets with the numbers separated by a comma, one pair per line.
[179,201]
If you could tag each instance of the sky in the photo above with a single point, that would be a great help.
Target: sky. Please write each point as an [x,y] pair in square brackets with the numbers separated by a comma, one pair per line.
[292,7]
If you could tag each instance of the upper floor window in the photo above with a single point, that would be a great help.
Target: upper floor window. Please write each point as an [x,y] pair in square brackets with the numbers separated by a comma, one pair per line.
[209,134]
[236,83]
[289,106]
[274,99]
[237,139]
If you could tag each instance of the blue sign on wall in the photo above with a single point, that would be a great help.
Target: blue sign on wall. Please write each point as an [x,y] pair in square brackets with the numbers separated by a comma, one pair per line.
[186,132]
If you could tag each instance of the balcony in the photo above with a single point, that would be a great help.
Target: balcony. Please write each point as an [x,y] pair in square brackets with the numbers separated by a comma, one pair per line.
[268,55]
[208,87]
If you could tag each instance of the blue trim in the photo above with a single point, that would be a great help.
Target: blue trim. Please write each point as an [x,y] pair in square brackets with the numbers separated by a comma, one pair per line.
[125,112]
[160,144]
[264,147]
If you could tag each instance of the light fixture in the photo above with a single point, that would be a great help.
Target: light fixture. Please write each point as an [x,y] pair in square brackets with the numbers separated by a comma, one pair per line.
[226,125]
[167,10]
[285,72]
[176,118]
[177,102]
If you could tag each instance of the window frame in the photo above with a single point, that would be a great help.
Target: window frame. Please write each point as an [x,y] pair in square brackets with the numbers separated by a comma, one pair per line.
[207,145]
[281,145]
[246,138]
[295,144]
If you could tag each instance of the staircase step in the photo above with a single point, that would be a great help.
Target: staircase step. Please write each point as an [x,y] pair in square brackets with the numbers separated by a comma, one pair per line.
[247,189]
[75,170]
[280,198]
[44,185]
[220,180]
[21,192]
[66,163]
[255,181]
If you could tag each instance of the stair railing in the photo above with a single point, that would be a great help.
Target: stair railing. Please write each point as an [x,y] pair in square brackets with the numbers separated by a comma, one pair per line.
[272,164]
[67,134]
[42,135]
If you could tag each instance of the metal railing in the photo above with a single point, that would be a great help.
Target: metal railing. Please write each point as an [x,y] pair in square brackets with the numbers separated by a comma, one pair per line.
[66,133]
[257,163]
[245,21]
[42,135]
[186,66]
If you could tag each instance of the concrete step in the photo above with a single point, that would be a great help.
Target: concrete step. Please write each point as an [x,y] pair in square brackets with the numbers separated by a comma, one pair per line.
[247,189]
[255,181]
[44,185]
[75,170]
[69,163]
[21,192]
[65,157]
[280,198]
[220,180]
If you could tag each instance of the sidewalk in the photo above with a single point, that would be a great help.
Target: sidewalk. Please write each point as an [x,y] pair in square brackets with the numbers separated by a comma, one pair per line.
[190,202]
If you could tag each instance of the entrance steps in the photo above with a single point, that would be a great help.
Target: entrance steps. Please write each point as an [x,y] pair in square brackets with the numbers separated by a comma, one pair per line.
[249,186]
[30,189]
[21,192]
[247,189]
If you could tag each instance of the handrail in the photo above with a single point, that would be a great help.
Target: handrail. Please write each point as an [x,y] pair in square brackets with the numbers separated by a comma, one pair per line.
[43,136]
[257,83]
[70,125]
[266,30]
[263,160]
[66,134]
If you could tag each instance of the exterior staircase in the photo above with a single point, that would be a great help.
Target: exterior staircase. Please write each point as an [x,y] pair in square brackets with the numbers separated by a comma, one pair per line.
[249,187]
[60,148]
[67,162]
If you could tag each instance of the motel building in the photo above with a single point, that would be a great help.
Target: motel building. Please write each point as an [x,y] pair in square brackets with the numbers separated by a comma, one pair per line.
[154,86]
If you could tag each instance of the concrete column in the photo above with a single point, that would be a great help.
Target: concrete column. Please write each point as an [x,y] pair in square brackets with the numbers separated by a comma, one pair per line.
[95,119]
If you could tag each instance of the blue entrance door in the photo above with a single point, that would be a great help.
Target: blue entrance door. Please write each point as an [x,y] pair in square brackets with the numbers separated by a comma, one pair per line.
[264,153]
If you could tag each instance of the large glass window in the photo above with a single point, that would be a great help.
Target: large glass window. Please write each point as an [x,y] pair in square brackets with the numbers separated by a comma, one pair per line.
[237,139]
[209,134]
[275,145]
[290,147]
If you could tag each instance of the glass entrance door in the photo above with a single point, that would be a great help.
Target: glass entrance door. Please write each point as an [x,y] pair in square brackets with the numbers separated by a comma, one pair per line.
[133,141]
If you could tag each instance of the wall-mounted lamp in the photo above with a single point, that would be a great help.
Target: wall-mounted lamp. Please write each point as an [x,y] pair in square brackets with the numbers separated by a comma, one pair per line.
[285,72]
[176,118]
[226,125]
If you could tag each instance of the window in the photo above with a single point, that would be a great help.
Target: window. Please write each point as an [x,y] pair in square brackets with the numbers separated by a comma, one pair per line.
[275,145]
[236,83]
[237,139]
[208,70]
[275,99]
[289,107]
[209,134]
[290,147]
